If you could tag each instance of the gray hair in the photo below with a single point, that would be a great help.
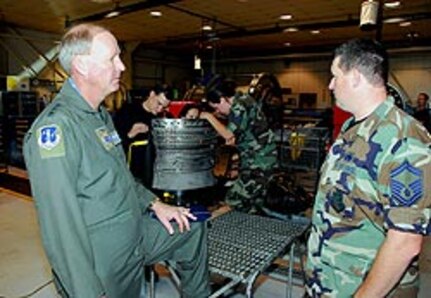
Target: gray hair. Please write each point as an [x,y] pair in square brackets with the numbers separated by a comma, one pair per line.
[77,41]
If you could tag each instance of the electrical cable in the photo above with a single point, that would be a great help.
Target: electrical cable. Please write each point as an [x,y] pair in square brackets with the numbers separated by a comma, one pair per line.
[35,290]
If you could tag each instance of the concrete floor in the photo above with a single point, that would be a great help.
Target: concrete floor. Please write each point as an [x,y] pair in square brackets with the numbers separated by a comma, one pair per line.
[24,271]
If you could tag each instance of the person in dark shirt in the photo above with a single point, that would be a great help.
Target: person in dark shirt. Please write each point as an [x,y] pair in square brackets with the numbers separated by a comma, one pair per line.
[422,114]
[133,124]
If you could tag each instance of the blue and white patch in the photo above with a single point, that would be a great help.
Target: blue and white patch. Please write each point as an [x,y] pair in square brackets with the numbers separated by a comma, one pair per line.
[108,139]
[49,137]
[50,140]
[406,185]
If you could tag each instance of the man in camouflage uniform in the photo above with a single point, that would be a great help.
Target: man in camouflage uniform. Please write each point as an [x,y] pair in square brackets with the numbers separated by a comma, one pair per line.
[372,208]
[248,129]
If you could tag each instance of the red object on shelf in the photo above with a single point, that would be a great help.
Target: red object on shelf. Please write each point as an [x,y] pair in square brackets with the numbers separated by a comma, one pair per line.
[175,107]
[339,117]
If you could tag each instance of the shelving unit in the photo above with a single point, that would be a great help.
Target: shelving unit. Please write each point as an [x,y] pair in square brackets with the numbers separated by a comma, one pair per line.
[19,110]
[301,152]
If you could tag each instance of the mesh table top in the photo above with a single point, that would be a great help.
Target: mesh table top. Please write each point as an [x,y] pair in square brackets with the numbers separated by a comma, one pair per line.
[241,245]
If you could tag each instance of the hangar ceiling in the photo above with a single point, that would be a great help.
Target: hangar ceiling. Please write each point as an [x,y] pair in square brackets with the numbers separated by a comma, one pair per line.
[241,26]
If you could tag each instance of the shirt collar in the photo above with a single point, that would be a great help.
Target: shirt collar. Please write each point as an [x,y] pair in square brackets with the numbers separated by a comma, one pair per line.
[69,88]
[371,121]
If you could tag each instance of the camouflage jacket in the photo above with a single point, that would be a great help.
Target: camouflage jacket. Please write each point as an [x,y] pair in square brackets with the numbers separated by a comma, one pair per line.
[254,139]
[375,177]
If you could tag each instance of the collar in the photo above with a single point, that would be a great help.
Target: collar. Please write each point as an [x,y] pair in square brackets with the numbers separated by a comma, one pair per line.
[370,122]
[73,97]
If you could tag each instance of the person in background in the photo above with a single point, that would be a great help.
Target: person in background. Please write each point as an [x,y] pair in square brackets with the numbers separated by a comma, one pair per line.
[190,111]
[422,113]
[133,123]
[247,129]
[94,217]
[373,204]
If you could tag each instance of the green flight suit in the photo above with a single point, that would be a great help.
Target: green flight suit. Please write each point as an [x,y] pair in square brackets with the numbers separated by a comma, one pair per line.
[93,215]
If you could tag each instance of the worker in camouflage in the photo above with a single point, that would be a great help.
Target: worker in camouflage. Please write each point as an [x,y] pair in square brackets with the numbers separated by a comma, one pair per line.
[372,207]
[248,130]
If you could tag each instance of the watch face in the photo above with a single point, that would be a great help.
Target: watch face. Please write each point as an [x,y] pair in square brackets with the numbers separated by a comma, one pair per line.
[399,99]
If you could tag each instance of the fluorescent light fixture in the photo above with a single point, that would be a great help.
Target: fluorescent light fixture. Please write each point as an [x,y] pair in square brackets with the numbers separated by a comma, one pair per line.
[291,29]
[207,28]
[287,44]
[155,13]
[392,4]
[315,32]
[112,14]
[405,24]
[286,17]
[394,20]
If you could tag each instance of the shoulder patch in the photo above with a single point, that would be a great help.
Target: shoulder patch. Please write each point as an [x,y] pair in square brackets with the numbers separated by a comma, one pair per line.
[406,185]
[51,141]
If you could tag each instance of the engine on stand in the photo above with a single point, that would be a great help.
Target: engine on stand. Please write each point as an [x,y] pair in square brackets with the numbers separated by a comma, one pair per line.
[184,157]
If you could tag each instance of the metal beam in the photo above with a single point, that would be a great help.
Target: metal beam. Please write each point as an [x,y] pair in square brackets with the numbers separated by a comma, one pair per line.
[40,54]
[201,16]
[273,29]
[17,56]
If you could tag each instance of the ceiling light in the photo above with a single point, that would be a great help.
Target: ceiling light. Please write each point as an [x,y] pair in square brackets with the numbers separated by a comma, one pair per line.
[315,31]
[291,29]
[287,44]
[286,17]
[115,12]
[156,13]
[112,14]
[392,4]
[405,24]
[207,27]
[394,20]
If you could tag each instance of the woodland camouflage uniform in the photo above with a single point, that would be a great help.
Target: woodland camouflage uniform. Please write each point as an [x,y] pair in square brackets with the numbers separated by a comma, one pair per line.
[257,149]
[375,177]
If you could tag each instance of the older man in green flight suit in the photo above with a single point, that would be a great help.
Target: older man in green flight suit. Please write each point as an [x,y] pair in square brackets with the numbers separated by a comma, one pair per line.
[94,217]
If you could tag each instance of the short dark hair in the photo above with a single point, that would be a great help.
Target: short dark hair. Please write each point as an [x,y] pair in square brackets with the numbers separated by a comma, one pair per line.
[367,56]
[219,86]
[189,107]
[163,88]
[424,95]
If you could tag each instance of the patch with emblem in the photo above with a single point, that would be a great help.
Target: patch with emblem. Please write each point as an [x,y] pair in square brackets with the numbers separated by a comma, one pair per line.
[108,139]
[406,185]
[51,142]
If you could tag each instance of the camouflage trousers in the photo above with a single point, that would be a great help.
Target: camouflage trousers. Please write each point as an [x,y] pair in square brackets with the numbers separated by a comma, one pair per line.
[247,194]
[408,289]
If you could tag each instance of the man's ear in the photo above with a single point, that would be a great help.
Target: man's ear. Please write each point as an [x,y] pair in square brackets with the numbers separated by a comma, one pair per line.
[356,78]
[80,64]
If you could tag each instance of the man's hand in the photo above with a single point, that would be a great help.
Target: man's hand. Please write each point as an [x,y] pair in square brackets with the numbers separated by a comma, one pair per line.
[137,128]
[165,213]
